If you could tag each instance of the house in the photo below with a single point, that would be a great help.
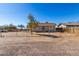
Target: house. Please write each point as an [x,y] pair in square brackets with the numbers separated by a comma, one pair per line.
[72,27]
[60,28]
[44,27]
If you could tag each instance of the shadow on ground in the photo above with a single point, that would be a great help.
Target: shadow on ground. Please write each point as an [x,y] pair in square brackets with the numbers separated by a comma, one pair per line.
[53,36]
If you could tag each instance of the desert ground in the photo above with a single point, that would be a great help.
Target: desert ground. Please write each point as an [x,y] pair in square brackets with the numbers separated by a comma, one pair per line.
[38,44]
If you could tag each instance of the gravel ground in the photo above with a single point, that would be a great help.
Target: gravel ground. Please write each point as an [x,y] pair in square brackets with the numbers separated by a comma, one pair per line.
[38,44]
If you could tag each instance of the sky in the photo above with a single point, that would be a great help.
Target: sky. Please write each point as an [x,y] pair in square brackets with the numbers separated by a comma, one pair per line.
[17,13]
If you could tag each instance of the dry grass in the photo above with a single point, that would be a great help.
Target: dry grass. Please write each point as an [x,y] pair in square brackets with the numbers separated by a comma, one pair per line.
[25,44]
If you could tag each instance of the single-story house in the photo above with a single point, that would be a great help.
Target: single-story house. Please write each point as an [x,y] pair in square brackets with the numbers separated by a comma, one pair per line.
[70,27]
[44,27]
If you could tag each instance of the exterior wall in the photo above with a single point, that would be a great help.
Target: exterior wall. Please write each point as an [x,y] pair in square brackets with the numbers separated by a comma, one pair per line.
[72,30]
[44,28]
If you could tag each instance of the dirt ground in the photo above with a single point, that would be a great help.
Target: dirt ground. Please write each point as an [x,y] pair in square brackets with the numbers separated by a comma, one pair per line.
[38,44]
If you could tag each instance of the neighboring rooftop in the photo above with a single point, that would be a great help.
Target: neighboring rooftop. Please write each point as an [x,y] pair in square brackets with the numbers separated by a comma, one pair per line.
[71,23]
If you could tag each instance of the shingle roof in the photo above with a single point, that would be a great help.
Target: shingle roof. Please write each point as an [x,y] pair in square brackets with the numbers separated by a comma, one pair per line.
[71,23]
[46,24]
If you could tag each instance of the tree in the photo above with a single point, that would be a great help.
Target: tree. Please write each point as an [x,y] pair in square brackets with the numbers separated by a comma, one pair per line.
[10,27]
[21,26]
[32,23]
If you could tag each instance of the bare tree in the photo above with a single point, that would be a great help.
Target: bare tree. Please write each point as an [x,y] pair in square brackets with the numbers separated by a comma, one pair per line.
[32,23]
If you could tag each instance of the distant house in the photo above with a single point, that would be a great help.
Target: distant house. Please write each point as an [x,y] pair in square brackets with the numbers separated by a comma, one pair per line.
[44,27]
[70,26]
[60,28]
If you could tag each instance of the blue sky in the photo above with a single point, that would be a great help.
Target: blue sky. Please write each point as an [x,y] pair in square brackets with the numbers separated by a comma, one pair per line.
[56,13]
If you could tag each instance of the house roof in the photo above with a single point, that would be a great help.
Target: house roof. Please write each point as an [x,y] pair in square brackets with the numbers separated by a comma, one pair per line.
[71,23]
[46,24]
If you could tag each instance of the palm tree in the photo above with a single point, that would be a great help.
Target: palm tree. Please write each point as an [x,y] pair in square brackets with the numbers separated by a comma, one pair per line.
[32,23]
